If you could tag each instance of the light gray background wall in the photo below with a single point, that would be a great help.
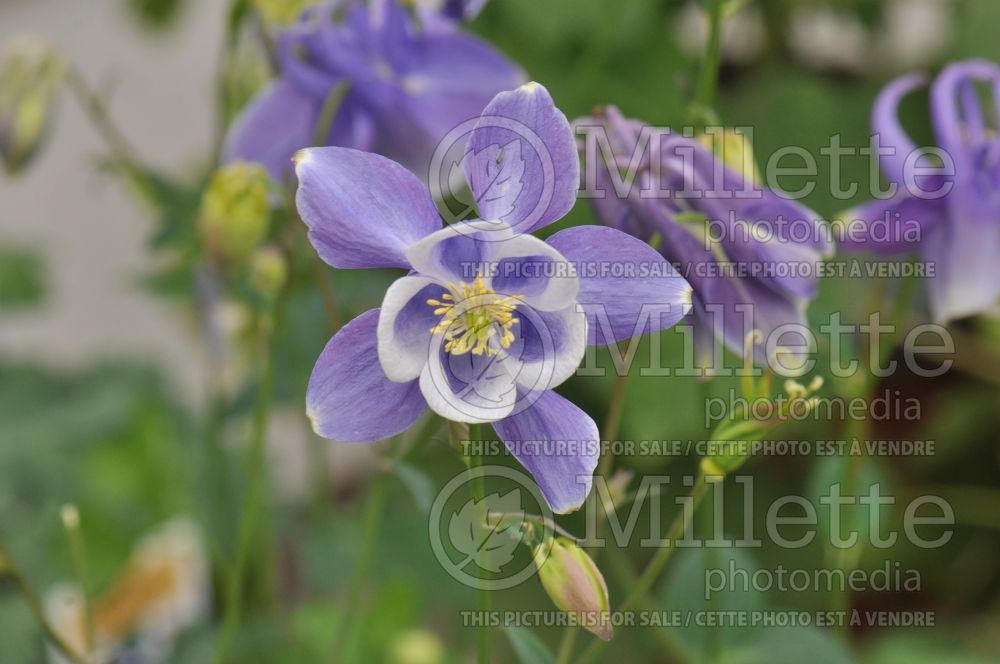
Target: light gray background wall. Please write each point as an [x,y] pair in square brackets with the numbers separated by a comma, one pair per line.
[91,234]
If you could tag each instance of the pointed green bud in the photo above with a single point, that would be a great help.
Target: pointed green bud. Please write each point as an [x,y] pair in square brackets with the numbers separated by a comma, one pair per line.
[30,79]
[574,584]
[235,211]
[268,271]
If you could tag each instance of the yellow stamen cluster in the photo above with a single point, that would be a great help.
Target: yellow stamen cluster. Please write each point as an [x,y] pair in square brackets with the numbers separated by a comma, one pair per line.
[474,319]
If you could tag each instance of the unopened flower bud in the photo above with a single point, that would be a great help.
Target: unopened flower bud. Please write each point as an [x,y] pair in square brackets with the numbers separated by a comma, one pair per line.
[268,271]
[29,82]
[574,584]
[417,646]
[235,211]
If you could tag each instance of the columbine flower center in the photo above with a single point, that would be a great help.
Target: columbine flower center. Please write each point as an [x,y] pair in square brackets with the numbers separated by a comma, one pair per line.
[474,319]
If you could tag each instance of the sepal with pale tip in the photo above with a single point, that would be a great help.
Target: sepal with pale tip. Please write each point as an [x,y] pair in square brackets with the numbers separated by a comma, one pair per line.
[574,584]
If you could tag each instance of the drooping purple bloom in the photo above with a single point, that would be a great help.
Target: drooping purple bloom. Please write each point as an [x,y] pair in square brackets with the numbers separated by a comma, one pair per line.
[955,211]
[750,255]
[486,322]
[404,86]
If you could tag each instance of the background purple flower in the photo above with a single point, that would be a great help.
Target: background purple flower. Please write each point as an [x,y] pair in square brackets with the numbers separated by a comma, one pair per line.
[404,86]
[730,246]
[958,216]
[486,322]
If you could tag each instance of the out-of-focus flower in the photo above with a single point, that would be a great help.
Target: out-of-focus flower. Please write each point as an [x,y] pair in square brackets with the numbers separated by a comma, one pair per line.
[486,322]
[574,584]
[914,33]
[958,216]
[750,254]
[829,39]
[416,646]
[29,82]
[370,78]
[907,34]
[744,34]
[235,211]
[163,589]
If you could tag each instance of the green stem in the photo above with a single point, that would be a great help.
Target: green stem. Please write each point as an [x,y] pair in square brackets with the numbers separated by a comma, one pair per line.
[8,568]
[122,151]
[325,290]
[655,567]
[328,112]
[374,509]
[254,496]
[235,14]
[613,422]
[78,553]
[478,489]
[664,639]
[708,76]
[612,426]
[566,645]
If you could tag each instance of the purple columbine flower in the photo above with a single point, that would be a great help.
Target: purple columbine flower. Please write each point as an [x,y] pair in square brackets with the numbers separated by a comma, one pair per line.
[404,86]
[750,255]
[486,322]
[956,211]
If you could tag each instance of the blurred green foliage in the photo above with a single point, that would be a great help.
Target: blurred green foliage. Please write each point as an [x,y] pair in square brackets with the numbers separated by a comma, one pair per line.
[22,279]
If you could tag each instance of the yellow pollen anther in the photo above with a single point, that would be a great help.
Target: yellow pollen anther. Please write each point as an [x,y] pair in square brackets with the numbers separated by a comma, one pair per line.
[474,319]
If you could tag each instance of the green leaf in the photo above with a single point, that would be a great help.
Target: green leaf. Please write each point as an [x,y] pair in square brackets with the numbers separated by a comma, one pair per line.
[528,647]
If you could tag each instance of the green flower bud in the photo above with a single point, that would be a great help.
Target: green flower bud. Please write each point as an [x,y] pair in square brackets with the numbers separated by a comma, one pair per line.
[29,83]
[417,646]
[235,211]
[574,584]
[268,271]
